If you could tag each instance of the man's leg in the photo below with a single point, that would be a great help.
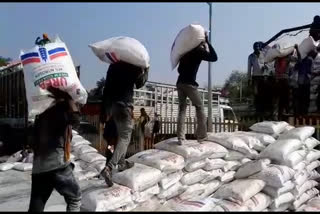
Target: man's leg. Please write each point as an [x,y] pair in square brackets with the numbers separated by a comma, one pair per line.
[41,189]
[123,120]
[66,184]
[182,112]
[195,97]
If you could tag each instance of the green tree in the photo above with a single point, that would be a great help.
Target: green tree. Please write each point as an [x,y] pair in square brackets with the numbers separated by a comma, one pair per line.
[97,92]
[4,61]
[236,87]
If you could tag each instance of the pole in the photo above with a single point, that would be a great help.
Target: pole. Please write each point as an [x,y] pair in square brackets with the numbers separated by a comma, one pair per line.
[210,128]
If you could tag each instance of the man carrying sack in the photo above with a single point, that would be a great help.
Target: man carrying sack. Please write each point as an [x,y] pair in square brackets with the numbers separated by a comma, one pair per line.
[52,168]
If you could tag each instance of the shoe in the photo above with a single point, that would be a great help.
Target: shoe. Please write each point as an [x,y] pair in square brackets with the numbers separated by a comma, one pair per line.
[106,173]
[202,140]
[125,165]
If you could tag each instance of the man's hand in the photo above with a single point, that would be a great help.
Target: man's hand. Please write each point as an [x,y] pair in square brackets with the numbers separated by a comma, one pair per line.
[58,94]
[206,36]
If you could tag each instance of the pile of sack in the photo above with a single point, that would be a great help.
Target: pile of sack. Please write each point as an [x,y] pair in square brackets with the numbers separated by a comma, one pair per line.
[291,176]
[240,171]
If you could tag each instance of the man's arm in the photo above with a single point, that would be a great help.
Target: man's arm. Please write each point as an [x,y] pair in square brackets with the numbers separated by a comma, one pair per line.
[142,79]
[210,56]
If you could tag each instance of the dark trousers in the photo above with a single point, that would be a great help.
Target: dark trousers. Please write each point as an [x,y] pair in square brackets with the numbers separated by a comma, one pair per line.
[303,99]
[63,181]
[281,95]
[258,88]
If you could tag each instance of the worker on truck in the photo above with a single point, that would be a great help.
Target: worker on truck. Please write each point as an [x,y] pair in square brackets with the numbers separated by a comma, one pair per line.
[255,75]
[188,87]
[118,105]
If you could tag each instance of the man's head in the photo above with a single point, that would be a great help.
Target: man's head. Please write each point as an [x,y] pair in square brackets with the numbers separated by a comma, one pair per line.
[315,28]
[45,36]
[143,111]
[256,47]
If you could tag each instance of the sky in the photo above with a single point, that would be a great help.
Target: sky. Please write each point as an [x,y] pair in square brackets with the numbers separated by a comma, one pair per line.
[235,27]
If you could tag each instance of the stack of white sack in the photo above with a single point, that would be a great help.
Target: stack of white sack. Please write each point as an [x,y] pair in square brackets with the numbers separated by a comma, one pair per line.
[170,165]
[203,169]
[287,177]
[88,162]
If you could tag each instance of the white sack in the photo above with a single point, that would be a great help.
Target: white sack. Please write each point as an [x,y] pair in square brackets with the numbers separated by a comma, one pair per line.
[6,166]
[275,192]
[234,156]
[239,190]
[265,139]
[279,150]
[304,197]
[196,165]
[300,133]
[232,142]
[81,149]
[281,200]
[170,179]
[227,177]
[159,159]
[214,174]
[138,178]
[231,166]
[295,158]
[252,167]
[150,205]
[276,51]
[314,175]
[186,40]
[49,65]
[192,151]
[106,199]
[211,187]
[213,164]
[16,157]
[179,205]
[311,142]
[300,177]
[313,155]
[299,190]
[92,157]
[258,202]
[306,46]
[269,127]
[121,48]
[194,177]
[313,165]
[228,206]
[172,191]
[275,175]
[145,195]
[79,141]
[23,166]
[193,192]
